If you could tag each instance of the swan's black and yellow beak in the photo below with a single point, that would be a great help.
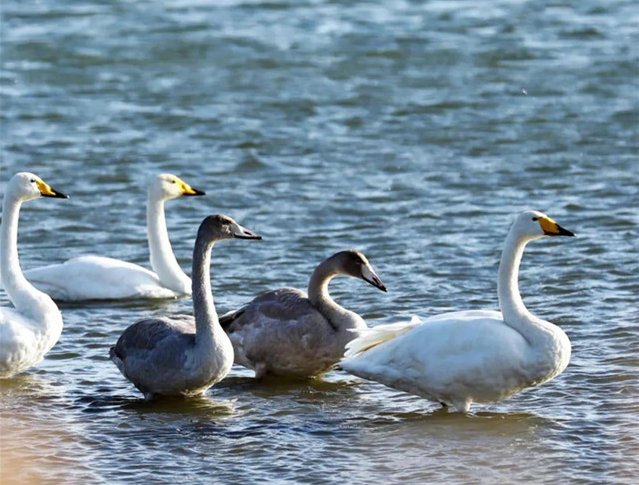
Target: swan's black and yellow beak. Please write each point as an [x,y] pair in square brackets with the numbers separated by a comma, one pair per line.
[188,190]
[47,191]
[551,228]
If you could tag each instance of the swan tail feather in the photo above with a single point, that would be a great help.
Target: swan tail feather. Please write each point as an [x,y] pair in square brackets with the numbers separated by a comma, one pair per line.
[228,318]
[376,336]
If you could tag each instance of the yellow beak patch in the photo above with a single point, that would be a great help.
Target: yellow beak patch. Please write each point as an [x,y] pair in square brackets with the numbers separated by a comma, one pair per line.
[548,225]
[187,189]
[44,188]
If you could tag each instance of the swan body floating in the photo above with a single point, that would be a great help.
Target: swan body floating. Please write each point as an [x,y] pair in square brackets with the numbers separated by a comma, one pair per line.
[470,356]
[182,356]
[285,332]
[31,329]
[101,278]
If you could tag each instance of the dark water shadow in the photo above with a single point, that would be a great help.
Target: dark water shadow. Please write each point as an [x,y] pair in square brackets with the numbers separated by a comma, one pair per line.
[125,303]
[282,386]
[19,382]
[200,405]
[28,385]
[440,418]
[181,405]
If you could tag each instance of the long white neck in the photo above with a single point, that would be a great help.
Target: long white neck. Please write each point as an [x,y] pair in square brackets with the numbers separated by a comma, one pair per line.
[515,313]
[162,257]
[29,301]
[338,316]
[549,344]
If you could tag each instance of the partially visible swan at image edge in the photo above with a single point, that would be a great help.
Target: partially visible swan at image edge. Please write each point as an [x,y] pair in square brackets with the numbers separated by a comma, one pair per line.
[470,356]
[287,332]
[182,356]
[30,330]
[101,278]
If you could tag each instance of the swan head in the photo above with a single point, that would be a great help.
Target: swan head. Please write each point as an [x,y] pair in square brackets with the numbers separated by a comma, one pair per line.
[219,226]
[28,186]
[167,186]
[355,263]
[534,225]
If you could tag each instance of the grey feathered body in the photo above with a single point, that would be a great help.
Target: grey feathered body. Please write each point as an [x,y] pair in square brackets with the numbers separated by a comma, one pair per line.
[281,332]
[158,356]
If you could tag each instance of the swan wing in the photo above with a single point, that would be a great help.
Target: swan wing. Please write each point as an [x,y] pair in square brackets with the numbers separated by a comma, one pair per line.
[153,349]
[97,278]
[283,304]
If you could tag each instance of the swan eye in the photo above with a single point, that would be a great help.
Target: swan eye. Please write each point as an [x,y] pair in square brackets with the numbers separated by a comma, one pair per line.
[535,218]
[33,181]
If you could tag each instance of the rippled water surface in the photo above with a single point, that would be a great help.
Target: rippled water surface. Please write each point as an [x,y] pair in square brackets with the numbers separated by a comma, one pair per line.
[410,130]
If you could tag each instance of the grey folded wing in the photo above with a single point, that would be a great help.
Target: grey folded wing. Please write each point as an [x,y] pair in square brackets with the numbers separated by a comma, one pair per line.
[145,336]
[283,304]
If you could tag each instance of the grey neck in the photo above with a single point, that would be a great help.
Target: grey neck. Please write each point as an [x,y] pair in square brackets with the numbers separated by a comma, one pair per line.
[206,321]
[318,294]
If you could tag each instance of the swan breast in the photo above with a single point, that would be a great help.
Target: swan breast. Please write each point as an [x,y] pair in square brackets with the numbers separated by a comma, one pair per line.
[24,342]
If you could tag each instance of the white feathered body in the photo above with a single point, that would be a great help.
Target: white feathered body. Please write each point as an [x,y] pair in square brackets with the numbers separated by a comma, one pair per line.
[99,278]
[456,358]
[25,338]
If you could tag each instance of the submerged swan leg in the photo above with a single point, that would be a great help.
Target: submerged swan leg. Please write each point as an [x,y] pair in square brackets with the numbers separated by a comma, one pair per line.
[463,405]
[260,370]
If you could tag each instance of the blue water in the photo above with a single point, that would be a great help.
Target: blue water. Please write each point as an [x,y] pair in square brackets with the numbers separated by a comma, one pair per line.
[412,131]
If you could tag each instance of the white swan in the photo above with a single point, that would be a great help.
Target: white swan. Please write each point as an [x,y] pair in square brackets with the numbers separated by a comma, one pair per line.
[182,357]
[285,332]
[102,278]
[34,326]
[470,356]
